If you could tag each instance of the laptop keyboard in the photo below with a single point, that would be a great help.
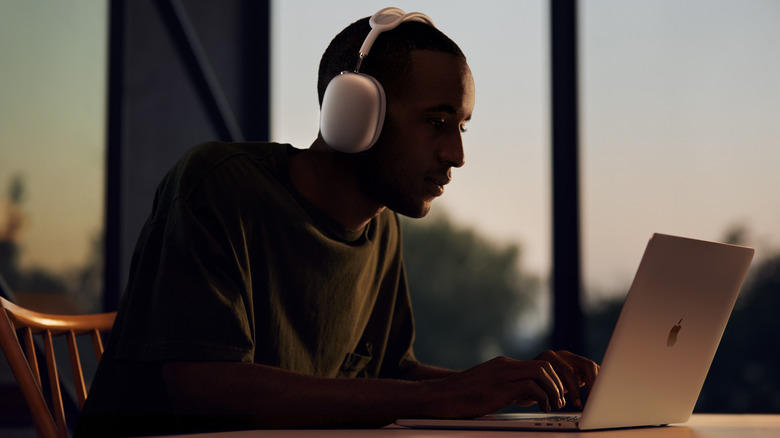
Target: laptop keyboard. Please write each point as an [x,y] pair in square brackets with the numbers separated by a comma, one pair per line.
[557,420]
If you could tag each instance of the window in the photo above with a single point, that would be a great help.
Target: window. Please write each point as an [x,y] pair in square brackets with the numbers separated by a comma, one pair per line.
[679,136]
[52,100]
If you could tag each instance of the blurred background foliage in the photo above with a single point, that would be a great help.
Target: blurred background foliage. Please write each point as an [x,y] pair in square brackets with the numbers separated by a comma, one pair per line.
[77,289]
[467,292]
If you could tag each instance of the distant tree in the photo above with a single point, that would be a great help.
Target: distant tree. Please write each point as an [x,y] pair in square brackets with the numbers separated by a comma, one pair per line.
[743,376]
[86,281]
[12,221]
[467,293]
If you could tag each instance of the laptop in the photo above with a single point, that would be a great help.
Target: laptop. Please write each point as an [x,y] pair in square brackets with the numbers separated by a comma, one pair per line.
[662,346]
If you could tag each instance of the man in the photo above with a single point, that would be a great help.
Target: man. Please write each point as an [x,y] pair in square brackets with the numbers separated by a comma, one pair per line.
[268,288]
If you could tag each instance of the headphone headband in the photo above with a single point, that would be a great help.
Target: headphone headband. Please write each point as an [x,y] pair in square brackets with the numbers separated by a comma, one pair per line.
[388,19]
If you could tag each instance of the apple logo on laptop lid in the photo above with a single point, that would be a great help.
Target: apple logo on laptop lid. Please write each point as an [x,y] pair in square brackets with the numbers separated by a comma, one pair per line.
[672,338]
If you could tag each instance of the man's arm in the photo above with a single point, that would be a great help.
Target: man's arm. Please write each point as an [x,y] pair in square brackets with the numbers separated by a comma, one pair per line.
[428,372]
[272,397]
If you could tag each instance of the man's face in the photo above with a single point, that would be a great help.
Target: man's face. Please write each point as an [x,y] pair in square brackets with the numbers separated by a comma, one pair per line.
[421,140]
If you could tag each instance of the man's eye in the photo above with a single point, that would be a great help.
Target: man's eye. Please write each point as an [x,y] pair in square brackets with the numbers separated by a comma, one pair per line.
[437,122]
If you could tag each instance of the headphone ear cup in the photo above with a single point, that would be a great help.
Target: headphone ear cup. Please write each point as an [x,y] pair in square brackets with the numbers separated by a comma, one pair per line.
[353,112]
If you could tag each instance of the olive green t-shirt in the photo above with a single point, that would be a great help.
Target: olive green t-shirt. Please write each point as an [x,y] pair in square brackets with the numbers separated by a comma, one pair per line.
[235,265]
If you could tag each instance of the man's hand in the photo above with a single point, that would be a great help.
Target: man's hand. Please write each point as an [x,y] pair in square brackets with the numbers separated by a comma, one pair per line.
[502,381]
[574,371]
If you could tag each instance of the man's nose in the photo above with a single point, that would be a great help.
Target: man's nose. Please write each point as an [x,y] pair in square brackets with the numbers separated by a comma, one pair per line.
[451,152]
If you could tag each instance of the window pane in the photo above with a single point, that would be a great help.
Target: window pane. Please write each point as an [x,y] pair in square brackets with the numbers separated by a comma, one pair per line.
[52,104]
[502,192]
[679,109]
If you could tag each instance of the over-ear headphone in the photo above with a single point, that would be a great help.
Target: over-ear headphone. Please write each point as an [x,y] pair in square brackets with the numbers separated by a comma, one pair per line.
[353,106]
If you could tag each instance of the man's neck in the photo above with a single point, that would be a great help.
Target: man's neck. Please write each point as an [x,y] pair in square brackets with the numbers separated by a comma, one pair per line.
[328,180]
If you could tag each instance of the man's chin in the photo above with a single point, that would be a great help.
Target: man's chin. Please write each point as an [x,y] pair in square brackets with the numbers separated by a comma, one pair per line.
[414,212]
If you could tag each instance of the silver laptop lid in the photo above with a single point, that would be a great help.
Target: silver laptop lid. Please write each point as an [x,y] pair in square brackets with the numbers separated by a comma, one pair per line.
[667,333]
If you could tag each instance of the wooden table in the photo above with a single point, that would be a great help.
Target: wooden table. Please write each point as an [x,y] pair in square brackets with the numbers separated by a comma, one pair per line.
[699,426]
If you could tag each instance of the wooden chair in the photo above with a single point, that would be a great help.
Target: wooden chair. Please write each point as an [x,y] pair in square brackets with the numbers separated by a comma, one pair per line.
[49,423]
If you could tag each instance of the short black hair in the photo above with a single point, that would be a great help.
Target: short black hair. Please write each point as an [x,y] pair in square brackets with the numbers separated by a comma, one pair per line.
[390,56]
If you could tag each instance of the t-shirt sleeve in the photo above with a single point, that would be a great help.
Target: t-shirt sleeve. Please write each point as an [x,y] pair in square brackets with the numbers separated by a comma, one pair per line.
[195,275]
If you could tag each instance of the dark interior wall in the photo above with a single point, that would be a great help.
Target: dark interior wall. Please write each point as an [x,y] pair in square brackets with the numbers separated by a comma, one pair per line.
[181,72]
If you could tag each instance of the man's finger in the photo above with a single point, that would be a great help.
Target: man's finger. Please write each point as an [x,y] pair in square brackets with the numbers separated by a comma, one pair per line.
[586,369]
[569,376]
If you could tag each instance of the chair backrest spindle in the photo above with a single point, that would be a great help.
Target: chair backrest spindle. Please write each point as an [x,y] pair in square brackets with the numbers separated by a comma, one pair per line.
[54,383]
[32,357]
[97,342]
[16,322]
[75,365]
